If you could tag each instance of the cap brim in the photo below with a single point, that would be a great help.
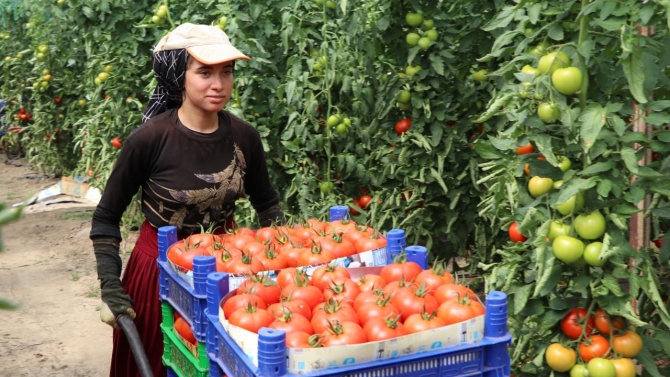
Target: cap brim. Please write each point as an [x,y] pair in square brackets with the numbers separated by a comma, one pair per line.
[215,54]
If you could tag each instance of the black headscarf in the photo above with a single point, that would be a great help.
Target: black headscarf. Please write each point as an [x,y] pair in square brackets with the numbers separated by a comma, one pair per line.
[169,71]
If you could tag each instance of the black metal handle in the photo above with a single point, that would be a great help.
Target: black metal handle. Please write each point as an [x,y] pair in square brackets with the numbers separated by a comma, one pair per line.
[136,346]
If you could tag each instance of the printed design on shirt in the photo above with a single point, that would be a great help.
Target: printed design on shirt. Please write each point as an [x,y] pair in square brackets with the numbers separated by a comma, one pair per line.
[213,201]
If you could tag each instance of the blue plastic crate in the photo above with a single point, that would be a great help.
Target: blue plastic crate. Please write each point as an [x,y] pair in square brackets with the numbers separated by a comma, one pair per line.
[488,358]
[189,301]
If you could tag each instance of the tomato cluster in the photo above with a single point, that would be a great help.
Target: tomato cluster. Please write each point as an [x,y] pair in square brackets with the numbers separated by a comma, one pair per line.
[23,115]
[331,308]
[245,251]
[603,342]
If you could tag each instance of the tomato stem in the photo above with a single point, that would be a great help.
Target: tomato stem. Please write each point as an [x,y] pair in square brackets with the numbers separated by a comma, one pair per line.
[583,32]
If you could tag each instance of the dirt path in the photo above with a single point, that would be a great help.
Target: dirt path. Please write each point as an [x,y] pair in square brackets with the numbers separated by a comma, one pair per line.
[48,267]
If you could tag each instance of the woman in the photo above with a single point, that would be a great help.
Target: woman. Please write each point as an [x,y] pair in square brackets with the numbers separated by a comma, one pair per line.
[192,160]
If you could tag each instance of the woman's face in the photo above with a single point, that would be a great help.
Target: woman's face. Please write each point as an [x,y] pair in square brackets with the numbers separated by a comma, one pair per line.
[207,88]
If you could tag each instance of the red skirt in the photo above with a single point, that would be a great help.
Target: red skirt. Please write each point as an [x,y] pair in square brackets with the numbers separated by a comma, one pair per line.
[140,282]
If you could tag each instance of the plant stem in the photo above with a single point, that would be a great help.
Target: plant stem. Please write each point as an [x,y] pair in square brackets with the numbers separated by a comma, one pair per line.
[583,32]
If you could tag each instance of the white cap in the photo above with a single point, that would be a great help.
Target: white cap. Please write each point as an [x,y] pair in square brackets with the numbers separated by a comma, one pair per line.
[206,44]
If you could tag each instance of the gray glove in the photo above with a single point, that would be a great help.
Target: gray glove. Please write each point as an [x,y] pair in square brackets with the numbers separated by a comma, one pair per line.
[115,301]
[272,215]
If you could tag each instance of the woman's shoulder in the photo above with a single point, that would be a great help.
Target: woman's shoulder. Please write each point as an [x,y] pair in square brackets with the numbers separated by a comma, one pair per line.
[238,124]
[157,124]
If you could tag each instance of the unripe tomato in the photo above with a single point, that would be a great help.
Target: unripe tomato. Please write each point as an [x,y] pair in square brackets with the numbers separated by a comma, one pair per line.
[599,367]
[548,112]
[538,186]
[592,253]
[414,19]
[480,75]
[557,228]
[431,34]
[560,358]
[574,204]
[412,39]
[424,43]
[568,249]
[553,61]
[627,345]
[564,163]
[624,367]
[568,80]
[333,120]
[403,96]
[527,69]
[590,226]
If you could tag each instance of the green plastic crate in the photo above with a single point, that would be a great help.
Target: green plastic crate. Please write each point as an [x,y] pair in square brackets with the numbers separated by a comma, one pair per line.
[176,355]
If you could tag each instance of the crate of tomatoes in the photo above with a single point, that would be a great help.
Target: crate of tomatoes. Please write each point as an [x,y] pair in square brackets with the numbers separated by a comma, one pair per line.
[395,320]
[184,264]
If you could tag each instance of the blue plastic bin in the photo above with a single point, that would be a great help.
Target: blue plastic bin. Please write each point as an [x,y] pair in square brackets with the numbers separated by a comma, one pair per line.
[488,358]
[189,302]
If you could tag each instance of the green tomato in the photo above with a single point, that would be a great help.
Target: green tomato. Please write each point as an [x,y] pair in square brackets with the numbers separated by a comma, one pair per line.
[414,19]
[162,11]
[412,70]
[326,187]
[552,61]
[548,112]
[564,163]
[333,120]
[557,228]
[156,19]
[341,128]
[403,96]
[590,226]
[412,39]
[347,122]
[530,70]
[39,56]
[431,34]
[568,80]
[579,370]
[330,4]
[538,96]
[427,25]
[574,204]
[592,254]
[599,367]
[317,66]
[404,106]
[43,48]
[538,186]
[558,184]
[568,249]
[318,2]
[103,76]
[424,43]
[480,75]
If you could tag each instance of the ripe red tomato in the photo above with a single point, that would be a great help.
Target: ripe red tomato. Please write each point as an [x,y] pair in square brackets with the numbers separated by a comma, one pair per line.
[341,288]
[418,322]
[184,330]
[659,241]
[246,265]
[371,282]
[514,233]
[322,276]
[383,328]
[525,149]
[291,322]
[414,301]
[202,240]
[373,241]
[594,346]
[185,260]
[294,306]
[58,100]
[573,323]
[332,311]
[117,143]
[261,286]
[241,301]
[400,269]
[298,339]
[339,334]
[604,323]
[337,246]
[380,308]
[433,278]
[364,201]
[251,318]
[403,126]
[308,293]
[455,310]
[315,256]
[451,291]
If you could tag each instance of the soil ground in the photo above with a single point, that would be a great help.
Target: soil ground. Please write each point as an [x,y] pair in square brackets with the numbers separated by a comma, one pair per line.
[48,268]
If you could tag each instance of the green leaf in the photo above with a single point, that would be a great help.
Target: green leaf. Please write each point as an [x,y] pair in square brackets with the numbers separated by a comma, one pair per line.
[598,167]
[629,159]
[604,187]
[7,305]
[555,32]
[657,118]
[633,68]
[494,107]
[648,362]
[612,24]
[437,63]
[503,144]
[586,48]
[574,186]
[520,295]
[487,151]
[618,125]
[503,40]
[646,13]
[534,13]
[612,284]
[658,105]
[500,20]
[592,121]
[439,179]
[436,130]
